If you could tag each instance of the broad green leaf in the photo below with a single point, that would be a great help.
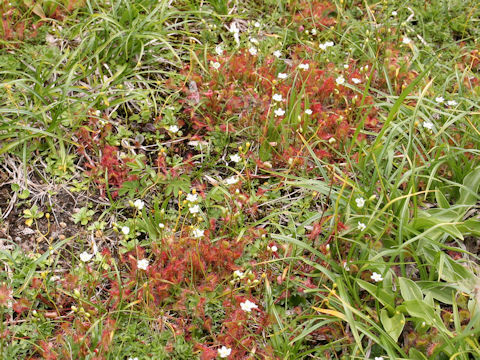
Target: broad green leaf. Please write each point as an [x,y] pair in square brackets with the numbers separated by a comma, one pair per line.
[469,190]
[392,325]
[441,200]
[420,310]
[410,290]
[384,297]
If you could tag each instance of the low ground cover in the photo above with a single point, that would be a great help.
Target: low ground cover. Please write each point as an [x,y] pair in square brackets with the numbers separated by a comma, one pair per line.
[246,180]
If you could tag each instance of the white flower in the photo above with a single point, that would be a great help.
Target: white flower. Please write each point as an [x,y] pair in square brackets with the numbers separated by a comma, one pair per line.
[282,75]
[233,28]
[452,103]
[235,31]
[194,209]
[308,112]
[135,358]
[139,204]
[304,66]
[198,233]
[279,112]
[125,230]
[361,226]
[274,248]
[161,225]
[326,45]
[439,99]
[85,257]
[277,97]
[253,40]
[215,65]
[428,125]
[192,197]
[406,40]
[219,50]
[247,306]
[257,24]
[142,264]
[314,32]
[360,202]
[340,80]
[356,81]
[376,277]
[231,180]
[173,128]
[253,51]
[345,266]
[224,352]
[394,13]
[235,158]
[238,273]
[277,53]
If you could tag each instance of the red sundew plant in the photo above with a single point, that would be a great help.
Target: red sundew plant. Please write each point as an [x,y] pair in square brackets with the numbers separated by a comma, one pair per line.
[321,13]
[319,105]
[15,26]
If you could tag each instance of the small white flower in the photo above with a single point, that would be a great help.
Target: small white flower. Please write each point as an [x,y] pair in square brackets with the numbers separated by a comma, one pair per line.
[282,75]
[247,306]
[274,248]
[235,158]
[314,32]
[361,226]
[125,230]
[231,180]
[304,66]
[192,197]
[194,209]
[427,125]
[277,53]
[394,13]
[452,103]
[161,225]
[340,80]
[279,112]
[257,24]
[308,112]
[439,99]
[326,45]
[277,97]
[360,202]
[378,357]
[219,50]
[253,40]
[376,277]
[224,352]
[253,51]
[215,64]
[345,66]
[356,80]
[345,266]
[406,40]
[235,31]
[233,28]
[238,273]
[198,233]
[139,204]
[135,358]
[142,264]
[173,128]
[85,257]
